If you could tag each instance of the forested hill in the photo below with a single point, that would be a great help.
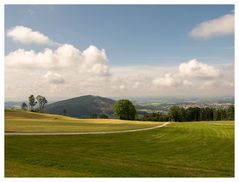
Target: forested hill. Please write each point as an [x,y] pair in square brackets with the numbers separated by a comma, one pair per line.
[84,107]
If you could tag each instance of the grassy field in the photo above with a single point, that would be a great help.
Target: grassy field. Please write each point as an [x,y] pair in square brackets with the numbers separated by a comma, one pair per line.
[20,121]
[179,149]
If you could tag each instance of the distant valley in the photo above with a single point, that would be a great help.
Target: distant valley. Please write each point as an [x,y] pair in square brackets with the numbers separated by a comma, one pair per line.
[89,106]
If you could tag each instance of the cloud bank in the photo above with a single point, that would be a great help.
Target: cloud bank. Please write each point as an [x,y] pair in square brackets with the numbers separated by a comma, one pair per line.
[67,71]
[67,57]
[168,80]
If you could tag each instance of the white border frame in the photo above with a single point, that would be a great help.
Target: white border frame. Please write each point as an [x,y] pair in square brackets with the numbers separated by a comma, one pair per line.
[115,2]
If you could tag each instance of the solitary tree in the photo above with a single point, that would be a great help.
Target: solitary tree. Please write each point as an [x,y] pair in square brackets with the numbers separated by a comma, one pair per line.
[24,106]
[41,101]
[32,102]
[124,109]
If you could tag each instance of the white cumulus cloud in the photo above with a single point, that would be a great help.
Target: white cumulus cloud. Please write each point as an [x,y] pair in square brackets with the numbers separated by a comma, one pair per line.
[92,60]
[171,80]
[223,25]
[191,74]
[26,35]
[195,68]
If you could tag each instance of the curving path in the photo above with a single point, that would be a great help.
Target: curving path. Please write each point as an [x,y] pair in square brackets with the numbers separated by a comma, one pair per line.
[89,133]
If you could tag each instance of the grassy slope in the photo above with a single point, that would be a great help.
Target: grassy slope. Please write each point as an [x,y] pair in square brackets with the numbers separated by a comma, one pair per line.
[179,149]
[19,121]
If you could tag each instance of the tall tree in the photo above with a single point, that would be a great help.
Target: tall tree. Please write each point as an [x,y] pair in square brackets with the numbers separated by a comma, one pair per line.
[24,106]
[216,114]
[124,109]
[182,112]
[41,101]
[196,113]
[209,113]
[230,112]
[32,102]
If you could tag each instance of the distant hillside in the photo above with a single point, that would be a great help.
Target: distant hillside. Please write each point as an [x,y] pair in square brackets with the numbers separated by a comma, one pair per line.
[12,104]
[84,106]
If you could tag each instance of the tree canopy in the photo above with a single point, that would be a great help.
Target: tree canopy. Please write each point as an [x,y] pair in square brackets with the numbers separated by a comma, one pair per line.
[41,101]
[179,114]
[32,102]
[24,106]
[201,114]
[124,109]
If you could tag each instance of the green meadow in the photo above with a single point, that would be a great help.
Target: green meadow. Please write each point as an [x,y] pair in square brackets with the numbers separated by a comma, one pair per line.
[180,149]
[20,121]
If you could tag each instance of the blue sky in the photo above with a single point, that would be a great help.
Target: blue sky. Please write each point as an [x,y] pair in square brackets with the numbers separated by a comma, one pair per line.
[129,34]
[64,51]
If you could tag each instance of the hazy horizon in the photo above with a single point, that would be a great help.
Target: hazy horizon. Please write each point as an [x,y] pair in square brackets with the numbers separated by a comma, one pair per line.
[120,51]
[131,98]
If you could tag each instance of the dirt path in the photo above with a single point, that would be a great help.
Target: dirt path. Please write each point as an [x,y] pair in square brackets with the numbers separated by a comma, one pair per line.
[88,133]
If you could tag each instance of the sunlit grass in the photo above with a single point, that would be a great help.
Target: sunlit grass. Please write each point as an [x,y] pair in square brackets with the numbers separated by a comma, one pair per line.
[39,122]
[202,149]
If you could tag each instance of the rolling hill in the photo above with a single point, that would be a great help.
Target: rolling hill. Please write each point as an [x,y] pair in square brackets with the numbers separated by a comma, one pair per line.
[84,106]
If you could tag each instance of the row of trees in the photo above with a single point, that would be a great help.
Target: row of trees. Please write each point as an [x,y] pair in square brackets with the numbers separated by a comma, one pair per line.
[156,116]
[124,109]
[32,102]
[201,114]
[193,114]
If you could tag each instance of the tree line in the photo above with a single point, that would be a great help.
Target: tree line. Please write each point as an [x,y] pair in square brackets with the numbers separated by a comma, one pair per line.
[179,114]
[124,109]
[32,102]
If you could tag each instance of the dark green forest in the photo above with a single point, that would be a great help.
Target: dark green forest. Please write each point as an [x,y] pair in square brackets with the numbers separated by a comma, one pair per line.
[179,114]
